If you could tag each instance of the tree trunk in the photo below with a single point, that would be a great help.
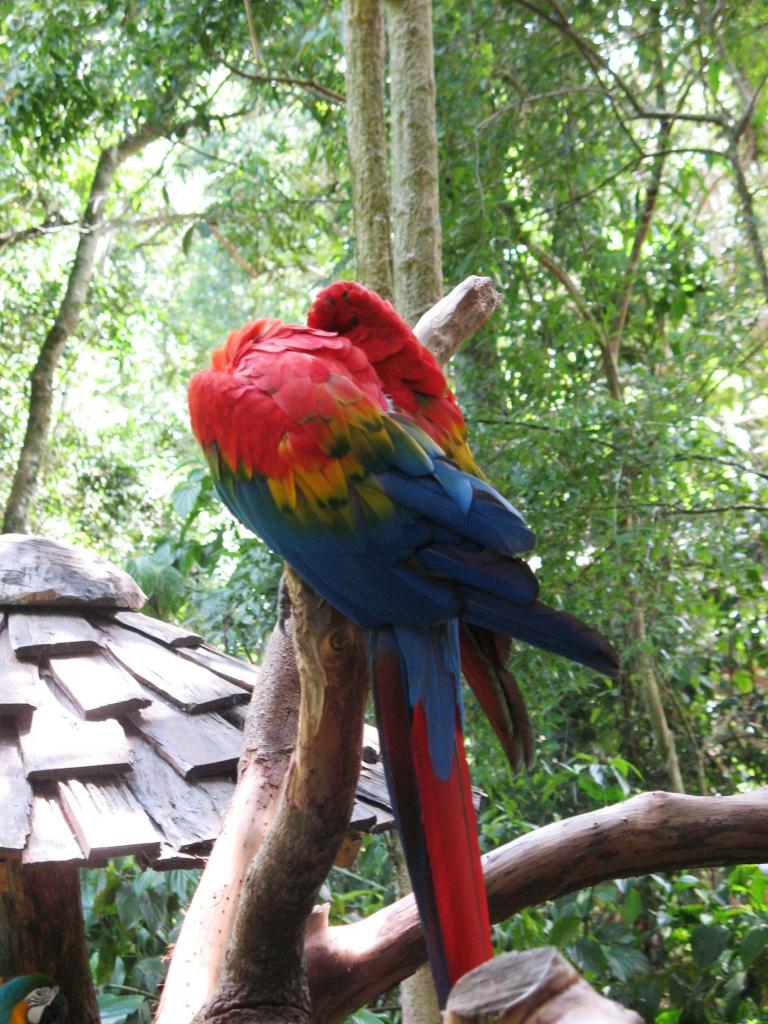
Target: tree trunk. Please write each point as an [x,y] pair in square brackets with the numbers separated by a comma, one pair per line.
[42,929]
[367,142]
[418,273]
[750,219]
[41,380]
[415,186]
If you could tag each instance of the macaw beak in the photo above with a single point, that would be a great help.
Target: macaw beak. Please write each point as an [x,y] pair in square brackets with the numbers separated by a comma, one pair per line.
[54,1012]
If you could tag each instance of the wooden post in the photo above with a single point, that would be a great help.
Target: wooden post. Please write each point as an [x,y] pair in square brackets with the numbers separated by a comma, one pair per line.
[535,987]
[42,929]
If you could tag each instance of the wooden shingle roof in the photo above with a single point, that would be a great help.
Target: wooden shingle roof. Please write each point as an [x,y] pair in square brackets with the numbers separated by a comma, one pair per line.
[119,734]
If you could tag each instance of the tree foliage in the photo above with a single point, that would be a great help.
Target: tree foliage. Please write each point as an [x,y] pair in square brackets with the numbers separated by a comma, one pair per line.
[555,120]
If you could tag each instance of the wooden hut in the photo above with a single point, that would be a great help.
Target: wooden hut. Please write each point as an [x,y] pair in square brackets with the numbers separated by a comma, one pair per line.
[119,734]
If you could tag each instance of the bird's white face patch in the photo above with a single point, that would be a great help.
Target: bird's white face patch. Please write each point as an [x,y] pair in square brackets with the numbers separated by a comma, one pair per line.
[38,999]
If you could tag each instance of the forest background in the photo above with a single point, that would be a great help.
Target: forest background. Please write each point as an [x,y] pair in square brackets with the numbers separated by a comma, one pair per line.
[168,173]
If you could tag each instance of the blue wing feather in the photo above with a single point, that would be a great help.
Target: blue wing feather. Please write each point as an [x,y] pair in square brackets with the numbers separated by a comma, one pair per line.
[418,543]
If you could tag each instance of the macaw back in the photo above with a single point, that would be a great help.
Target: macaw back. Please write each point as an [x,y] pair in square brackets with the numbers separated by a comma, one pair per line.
[344,449]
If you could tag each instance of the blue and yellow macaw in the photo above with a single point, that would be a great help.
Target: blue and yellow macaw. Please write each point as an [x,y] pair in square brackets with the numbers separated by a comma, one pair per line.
[341,445]
[32,999]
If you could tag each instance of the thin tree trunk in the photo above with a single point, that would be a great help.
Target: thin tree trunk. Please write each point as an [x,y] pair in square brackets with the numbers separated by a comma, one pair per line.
[665,739]
[415,184]
[610,342]
[418,996]
[663,735]
[749,217]
[41,381]
[364,48]
[418,272]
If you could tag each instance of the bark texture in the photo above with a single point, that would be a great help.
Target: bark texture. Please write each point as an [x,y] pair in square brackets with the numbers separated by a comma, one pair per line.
[417,243]
[350,964]
[415,184]
[41,381]
[364,50]
[42,929]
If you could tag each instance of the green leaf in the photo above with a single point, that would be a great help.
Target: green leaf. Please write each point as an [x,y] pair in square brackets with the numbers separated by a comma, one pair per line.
[708,942]
[115,1008]
[625,963]
[564,929]
[186,240]
[753,943]
[744,681]
[185,495]
[366,1016]
[633,906]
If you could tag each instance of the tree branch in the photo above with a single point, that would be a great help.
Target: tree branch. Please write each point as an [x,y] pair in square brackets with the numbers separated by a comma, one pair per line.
[301,83]
[560,274]
[232,249]
[262,978]
[457,316]
[270,735]
[350,964]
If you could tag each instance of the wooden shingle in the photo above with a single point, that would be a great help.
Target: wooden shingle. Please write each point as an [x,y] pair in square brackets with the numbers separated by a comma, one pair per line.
[18,681]
[98,686]
[57,745]
[166,632]
[240,672]
[191,687]
[51,840]
[15,792]
[184,811]
[107,819]
[42,634]
[196,747]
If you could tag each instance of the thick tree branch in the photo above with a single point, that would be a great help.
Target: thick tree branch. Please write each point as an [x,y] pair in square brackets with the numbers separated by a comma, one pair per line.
[350,964]
[262,977]
[457,316]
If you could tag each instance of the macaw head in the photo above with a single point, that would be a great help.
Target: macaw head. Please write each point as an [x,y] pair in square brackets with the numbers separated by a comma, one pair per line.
[32,999]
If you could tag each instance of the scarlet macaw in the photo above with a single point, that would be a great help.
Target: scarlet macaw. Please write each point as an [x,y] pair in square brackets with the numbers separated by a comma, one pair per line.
[341,445]
[32,999]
